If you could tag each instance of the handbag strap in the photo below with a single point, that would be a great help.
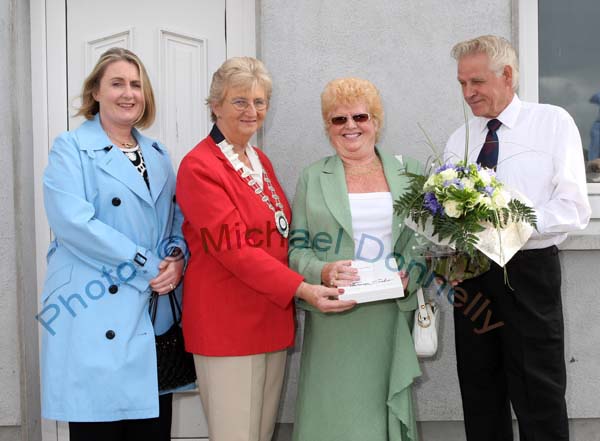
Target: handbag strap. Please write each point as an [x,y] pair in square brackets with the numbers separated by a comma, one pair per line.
[423,318]
[174,303]
[175,306]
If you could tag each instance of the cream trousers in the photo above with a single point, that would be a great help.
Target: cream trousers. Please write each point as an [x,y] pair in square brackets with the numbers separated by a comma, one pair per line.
[240,395]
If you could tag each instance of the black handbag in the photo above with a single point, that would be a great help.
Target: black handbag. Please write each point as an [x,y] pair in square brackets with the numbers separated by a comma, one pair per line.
[175,365]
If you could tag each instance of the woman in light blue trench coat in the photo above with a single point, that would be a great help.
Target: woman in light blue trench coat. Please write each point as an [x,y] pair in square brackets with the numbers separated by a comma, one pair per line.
[109,197]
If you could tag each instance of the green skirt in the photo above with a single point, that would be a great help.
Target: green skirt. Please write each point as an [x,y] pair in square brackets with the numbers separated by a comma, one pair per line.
[356,375]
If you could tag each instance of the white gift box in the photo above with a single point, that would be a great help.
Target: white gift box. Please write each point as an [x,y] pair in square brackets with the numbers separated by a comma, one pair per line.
[377,282]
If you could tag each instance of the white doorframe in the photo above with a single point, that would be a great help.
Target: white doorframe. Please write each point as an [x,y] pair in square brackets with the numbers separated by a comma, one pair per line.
[528,50]
[49,91]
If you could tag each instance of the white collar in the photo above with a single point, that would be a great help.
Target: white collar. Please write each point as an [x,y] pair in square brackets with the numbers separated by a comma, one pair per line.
[257,170]
[508,117]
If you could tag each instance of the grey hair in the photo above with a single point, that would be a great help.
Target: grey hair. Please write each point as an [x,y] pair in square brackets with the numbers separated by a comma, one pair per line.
[244,72]
[499,51]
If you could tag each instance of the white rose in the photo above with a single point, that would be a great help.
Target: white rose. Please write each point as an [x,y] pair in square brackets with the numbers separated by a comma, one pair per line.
[448,174]
[485,176]
[484,200]
[501,198]
[467,183]
[451,209]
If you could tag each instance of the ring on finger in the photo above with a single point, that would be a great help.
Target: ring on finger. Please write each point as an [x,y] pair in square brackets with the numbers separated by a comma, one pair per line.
[171,286]
[334,278]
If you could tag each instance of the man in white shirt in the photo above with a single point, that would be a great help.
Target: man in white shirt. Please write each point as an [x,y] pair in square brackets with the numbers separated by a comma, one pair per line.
[535,149]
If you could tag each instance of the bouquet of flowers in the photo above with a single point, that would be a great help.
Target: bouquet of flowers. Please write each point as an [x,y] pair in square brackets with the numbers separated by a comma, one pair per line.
[468,216]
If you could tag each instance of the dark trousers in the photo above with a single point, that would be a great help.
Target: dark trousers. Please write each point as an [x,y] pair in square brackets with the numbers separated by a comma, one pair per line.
[149,429]
[510,349]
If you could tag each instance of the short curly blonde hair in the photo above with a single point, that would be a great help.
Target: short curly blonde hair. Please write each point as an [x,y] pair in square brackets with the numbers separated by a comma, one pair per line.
[499,51]
[344,91]
[89,106]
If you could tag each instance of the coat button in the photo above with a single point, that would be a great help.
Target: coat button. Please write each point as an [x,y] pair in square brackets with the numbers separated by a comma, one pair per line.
[116,202]
[113,289]
[110,334]
[174,199]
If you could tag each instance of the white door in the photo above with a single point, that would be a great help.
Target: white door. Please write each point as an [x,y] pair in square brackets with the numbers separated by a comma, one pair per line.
[181,43]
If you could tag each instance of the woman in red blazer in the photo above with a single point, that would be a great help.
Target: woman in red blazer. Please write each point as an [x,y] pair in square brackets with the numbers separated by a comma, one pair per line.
[238,309]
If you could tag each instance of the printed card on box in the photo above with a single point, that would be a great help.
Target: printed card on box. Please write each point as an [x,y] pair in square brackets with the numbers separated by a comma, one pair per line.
[377,282]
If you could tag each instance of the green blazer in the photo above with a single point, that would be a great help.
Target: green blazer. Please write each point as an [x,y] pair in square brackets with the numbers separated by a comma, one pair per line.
[322,224]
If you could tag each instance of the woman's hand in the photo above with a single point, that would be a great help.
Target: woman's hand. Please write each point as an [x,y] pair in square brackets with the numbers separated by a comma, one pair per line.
[442,281]
[339,273]
[323,298]
[170,270]
[404,277]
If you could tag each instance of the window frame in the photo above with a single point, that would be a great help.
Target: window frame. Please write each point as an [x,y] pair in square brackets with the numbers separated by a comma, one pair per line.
[529,62]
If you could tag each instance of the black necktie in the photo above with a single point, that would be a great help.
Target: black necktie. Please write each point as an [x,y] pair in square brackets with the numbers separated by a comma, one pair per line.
[488,157]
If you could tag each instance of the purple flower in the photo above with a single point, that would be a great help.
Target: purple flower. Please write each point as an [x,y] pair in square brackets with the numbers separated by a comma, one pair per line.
[444,167]
[431,203]
[456,182]
[489,190]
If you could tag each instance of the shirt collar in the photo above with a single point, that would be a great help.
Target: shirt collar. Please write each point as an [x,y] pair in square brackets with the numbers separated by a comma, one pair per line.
[216,134]
[508,117]
[233,159]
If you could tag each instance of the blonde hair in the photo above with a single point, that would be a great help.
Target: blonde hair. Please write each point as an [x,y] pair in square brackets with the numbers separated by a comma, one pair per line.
[351,91]
[243,72]
[90,107]
[499,51]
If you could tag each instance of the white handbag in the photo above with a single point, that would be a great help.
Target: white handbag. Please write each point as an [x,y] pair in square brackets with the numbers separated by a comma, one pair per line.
[425,328]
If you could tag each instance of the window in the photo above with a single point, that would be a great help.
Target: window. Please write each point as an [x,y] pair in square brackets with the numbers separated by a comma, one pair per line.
[569,68]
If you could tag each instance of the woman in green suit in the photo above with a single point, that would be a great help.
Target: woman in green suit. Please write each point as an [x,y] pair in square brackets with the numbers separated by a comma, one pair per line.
[357,366]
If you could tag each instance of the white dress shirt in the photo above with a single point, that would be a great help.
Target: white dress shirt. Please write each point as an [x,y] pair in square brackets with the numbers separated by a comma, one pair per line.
[541,156]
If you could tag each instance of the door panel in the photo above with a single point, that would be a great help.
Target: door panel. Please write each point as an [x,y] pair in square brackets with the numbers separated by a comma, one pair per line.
[181,43]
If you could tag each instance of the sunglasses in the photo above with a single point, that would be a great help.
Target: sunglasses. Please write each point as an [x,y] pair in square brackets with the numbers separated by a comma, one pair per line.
[357,118]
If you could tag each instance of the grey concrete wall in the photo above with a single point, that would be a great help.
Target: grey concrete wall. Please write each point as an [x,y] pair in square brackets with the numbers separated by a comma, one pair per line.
[9,347]
[19,382]
[403,47]
[581,286]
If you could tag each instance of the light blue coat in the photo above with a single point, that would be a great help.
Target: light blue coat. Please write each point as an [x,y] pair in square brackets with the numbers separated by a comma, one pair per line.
[98,351]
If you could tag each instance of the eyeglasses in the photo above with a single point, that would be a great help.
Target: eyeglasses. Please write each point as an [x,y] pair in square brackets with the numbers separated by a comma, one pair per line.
[242,104]
[358,118]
